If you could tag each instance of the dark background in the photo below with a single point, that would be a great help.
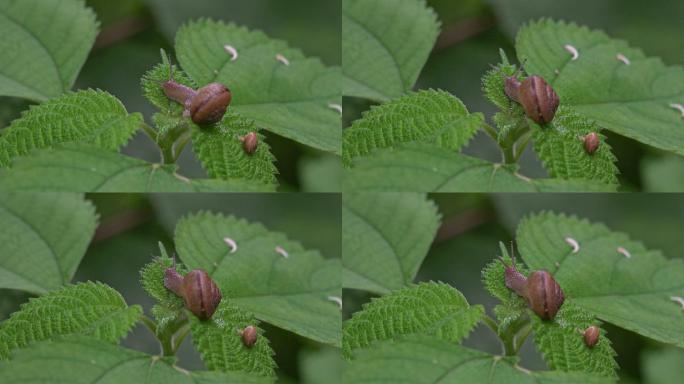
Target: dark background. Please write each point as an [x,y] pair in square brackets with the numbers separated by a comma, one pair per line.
[133,31]
[474,224]
[127,238]
[474,30]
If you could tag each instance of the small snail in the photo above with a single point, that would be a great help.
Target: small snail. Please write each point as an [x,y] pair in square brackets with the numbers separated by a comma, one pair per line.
[536,96]
[201,295]
[250,142]
[249,336]
[591,336]
[591,142]
[207,105]
[542,292]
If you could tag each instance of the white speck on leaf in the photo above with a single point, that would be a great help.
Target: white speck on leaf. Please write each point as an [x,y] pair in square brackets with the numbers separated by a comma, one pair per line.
[233,52]
[624,252]
[231,243]
[572,50]
[282,59]
[282,252]
[573,243]
[679,300]
[623,58]
[181,178]
[336,107]
[337,300]
[678,107]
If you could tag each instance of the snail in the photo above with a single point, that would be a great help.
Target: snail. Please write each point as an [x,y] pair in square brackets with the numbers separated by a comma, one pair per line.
[250,142]
[206,105]
[249,336]
[536,96]
[540,289]
[591,142]
[199,292]
[591,336]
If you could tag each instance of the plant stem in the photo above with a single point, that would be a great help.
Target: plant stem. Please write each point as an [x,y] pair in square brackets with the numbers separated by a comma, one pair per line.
[490,131]
[522,336]
[166,335]
[167,141]
[149,323]
[180,336]
[180,145]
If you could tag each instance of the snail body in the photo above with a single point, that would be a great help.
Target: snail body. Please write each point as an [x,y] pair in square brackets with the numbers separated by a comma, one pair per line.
[206,105]
[536,96]
[540,289]
[199,292]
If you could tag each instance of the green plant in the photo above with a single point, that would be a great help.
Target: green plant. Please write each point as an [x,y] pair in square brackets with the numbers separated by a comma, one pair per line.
[413,331]
[71,331]
[70,140]
[412,140]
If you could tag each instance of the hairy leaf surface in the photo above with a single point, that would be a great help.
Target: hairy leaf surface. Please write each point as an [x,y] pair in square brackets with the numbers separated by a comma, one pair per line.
[425,168]
[632,100]
[385,44]
[90,117]
[43,238]
[88,360]
[430,309]
[385,238]
[632,292]
[431,361]
[275,278]
[44,45]
[219,342]
[78,168]
[290,97]
[93,309]
[221,152]
[434,117]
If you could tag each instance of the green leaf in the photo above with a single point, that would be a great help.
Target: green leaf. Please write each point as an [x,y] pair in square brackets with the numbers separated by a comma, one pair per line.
[289,100]
[220,150]
[663,174]
[431,361]
[560,146]
[87,360]
[385,238]
[152,280]
[434,309]
[320,173]
[43,238]
[78,168]
[663,366]
[385,44]
[431,116]
[632,100]
[152,81]
[89,308]
[561,342]
[91,117]
[512,306]
[633,292]
[426,168]
[294,292]
[321,365]
[219,342]
[44,45]
[494,82]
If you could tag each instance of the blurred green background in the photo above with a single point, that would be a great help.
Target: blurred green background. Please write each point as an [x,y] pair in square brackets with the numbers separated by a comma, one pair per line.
[127,238]
[133,31]
[474,30]
[473,225]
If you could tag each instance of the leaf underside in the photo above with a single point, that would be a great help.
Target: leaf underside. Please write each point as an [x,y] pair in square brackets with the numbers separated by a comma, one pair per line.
[385,238]
[425,168]
[43,238]
[629,99]
[431,116]
[90,117]
[290,99]
[633,292]
[434,309]
[295,293]
[385,44]
[44,45]
[93,309]
[79,168]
